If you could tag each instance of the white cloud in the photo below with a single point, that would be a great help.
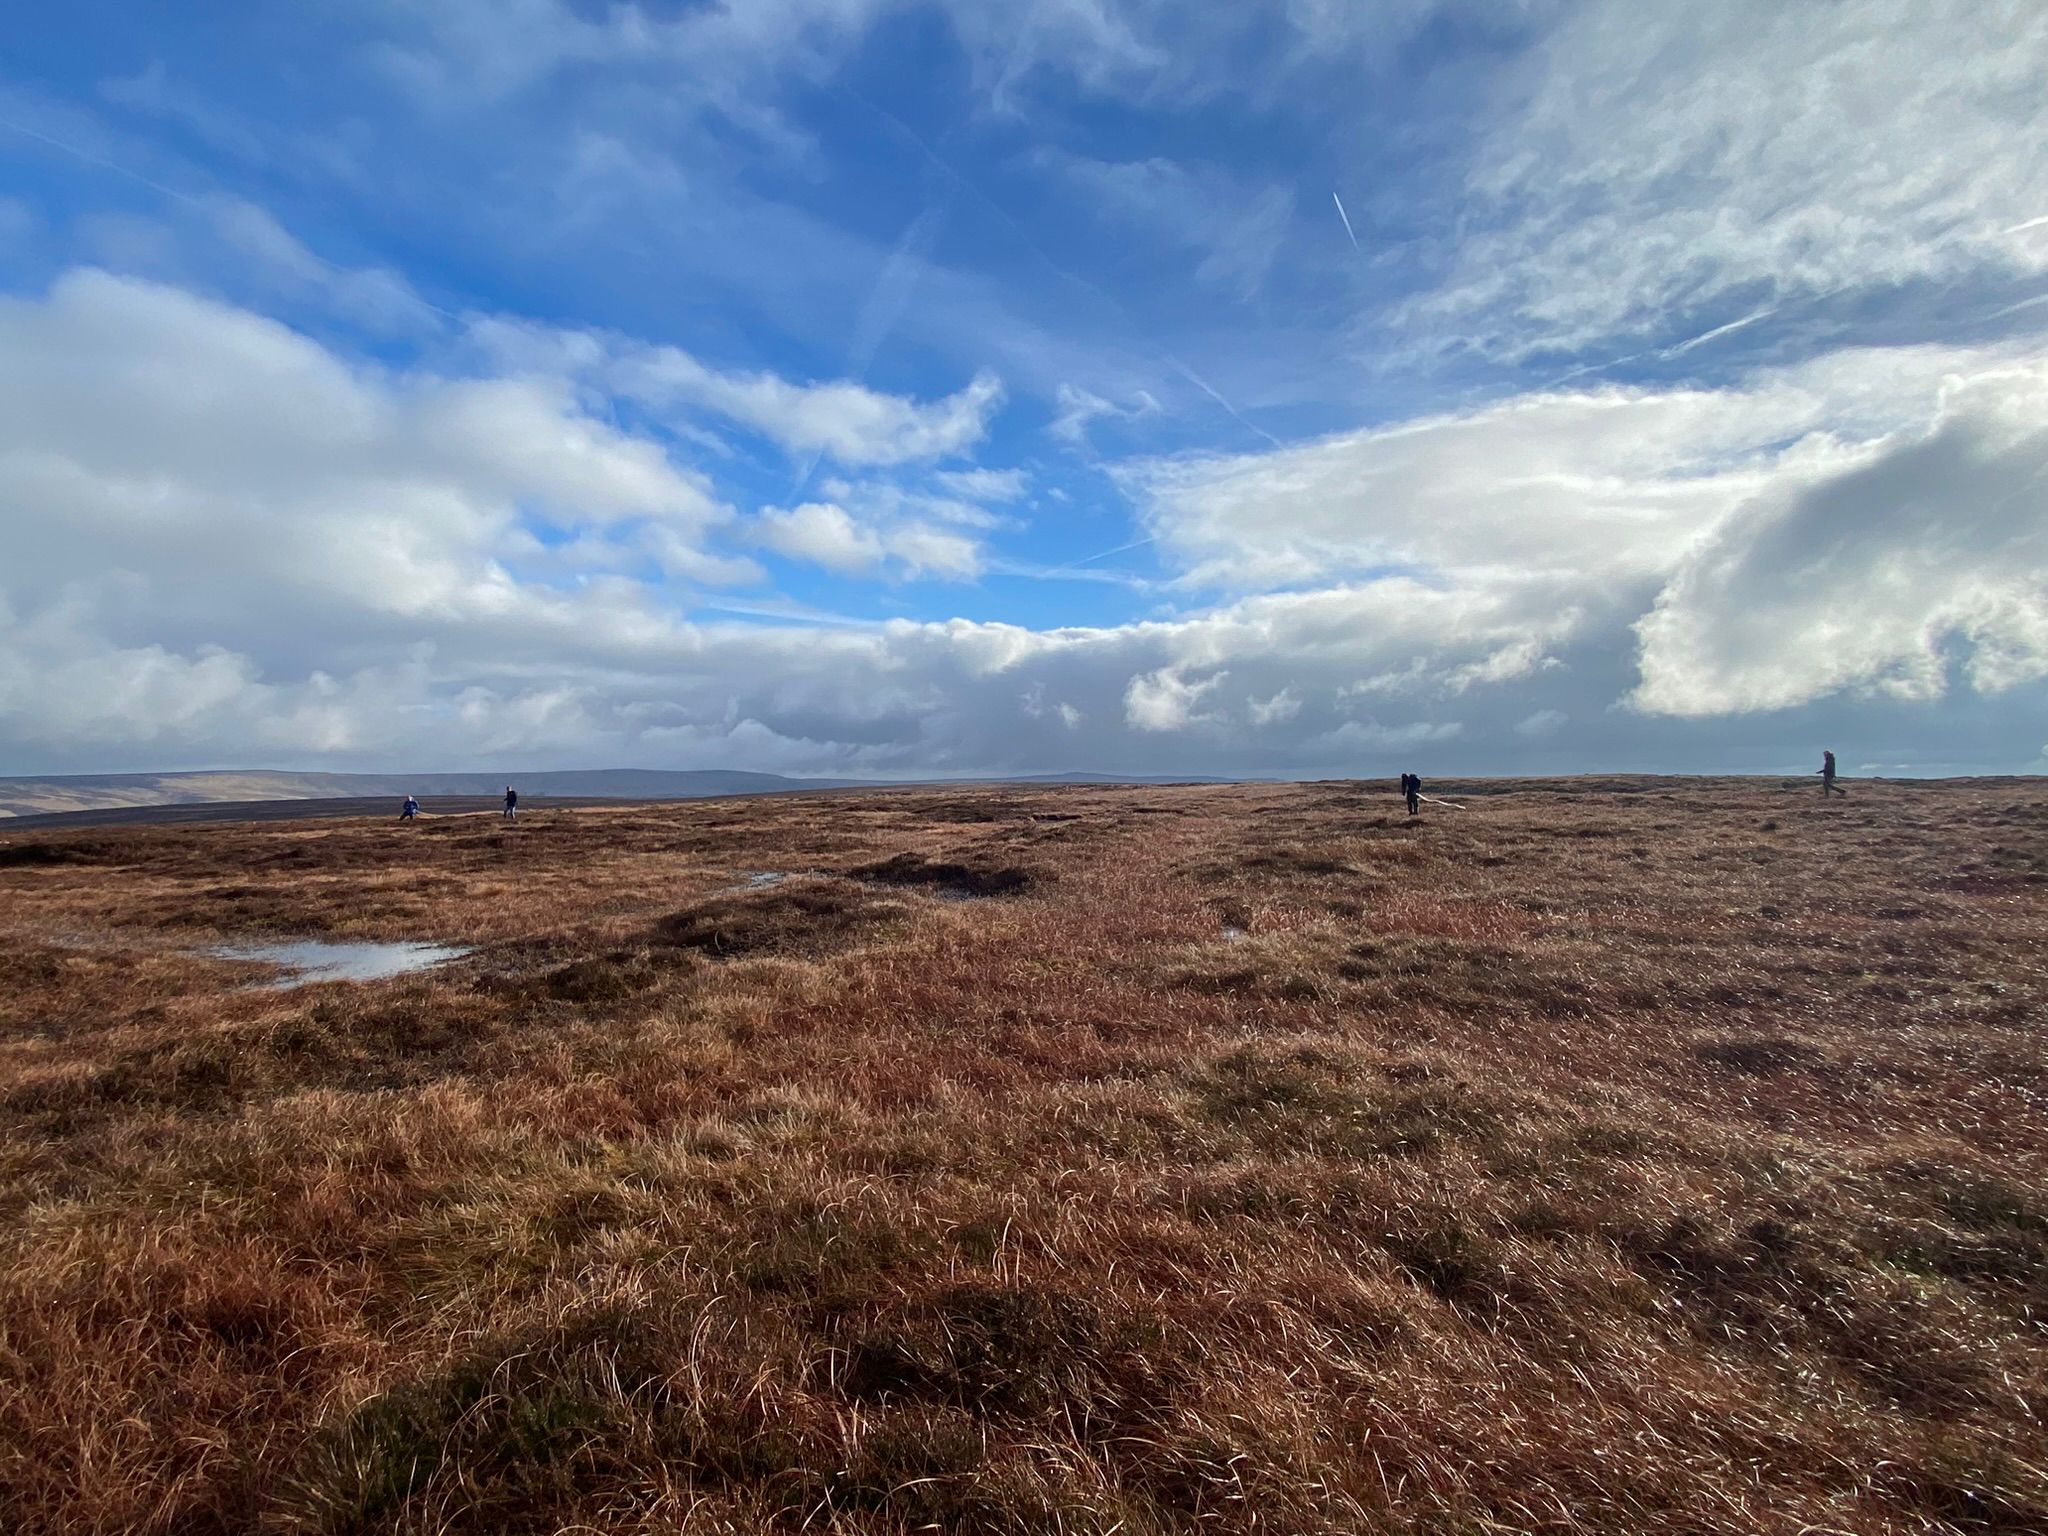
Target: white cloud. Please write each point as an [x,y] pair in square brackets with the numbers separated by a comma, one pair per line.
[1281,707]
[1859,522]
[1669,161]
[1920,556]
[984,485]
[826,534]
[1078,407]
[848,422]
[928,551]
[1601,487]
[217,487]
[822,534]
[226,543]
[1165,700]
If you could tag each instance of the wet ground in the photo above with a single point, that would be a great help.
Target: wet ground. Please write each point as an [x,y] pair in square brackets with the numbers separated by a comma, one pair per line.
[309,960]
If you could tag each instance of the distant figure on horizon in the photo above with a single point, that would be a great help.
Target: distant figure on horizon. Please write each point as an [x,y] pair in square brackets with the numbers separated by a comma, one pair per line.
[1411,789]
[1828,785]
[511,803]
[411,811]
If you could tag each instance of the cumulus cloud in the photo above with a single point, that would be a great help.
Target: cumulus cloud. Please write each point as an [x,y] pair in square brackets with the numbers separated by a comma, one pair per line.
[1165,700]
[1922,556]
[188,486]
[1871,520]
[828,535]
[1281,707]
[822,534]
[1606,484]
[849,422]
[846,421]
[228,544]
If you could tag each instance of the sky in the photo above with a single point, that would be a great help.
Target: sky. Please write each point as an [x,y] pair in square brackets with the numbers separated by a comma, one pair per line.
[931,387]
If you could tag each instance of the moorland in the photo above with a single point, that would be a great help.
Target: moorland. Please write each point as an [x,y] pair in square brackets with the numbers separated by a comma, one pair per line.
[1599,1155]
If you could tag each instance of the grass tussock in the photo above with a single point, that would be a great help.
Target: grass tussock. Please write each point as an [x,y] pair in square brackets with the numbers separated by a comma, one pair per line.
[1619,1156]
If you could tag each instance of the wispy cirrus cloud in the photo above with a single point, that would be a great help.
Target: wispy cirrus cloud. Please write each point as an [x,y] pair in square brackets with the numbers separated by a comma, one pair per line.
[1664,165]
[1233,225]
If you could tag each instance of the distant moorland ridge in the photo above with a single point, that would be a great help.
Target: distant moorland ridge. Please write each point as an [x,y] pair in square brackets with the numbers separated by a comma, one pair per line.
[92,792]
[52,794]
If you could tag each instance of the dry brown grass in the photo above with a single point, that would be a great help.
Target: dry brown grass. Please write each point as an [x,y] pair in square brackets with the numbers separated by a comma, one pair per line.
[1638,1156]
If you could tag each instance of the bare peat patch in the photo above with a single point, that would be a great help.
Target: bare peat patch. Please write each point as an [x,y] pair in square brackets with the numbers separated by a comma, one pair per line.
[794,917]
[946,878]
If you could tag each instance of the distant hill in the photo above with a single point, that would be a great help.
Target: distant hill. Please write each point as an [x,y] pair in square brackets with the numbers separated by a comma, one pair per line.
[94,792]
[53,794]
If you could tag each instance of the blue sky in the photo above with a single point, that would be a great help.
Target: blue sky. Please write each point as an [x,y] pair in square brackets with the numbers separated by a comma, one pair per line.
[922,386]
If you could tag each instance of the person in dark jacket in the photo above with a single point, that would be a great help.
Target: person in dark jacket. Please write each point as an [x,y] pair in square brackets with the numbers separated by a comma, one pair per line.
[411,810]
[1828,786]
[1411,787]
[511,803]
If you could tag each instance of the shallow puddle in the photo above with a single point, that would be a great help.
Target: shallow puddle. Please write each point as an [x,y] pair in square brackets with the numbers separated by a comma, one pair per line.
[310,960]
[753,880]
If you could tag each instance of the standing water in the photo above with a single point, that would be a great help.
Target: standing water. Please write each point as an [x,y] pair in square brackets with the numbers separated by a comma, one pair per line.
[309,960]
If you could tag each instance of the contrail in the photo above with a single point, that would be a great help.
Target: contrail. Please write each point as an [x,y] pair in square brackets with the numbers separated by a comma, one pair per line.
[2012,309]
[1720,330]
[211,204]
[1150,538]
[2029,224]
[103,163]
[1663,353]
[1024,240]
[885,305]
[1211,391]
[1345,217]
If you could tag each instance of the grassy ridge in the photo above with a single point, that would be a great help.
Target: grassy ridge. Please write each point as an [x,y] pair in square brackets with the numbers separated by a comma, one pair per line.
[1140,1160]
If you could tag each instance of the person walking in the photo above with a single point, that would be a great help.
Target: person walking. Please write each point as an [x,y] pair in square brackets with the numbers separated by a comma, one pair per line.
[1411,787]
[411,811]
[1828,786]
[511,803]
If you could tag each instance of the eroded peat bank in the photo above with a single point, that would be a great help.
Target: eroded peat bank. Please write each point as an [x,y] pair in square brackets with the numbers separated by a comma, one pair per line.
[1649,1156]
